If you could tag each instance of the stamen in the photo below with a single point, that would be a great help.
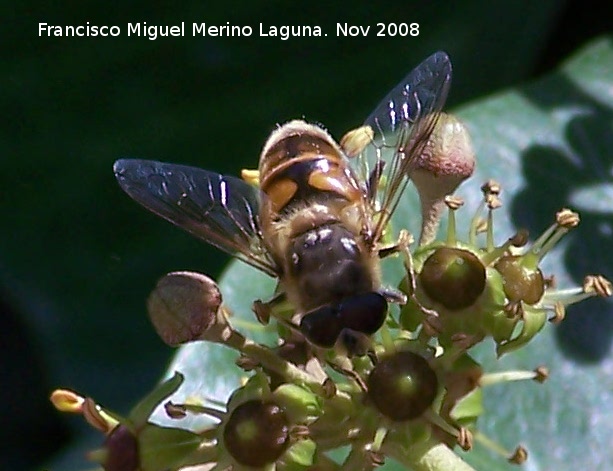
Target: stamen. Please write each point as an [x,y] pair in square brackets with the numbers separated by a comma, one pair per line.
[565,220]
[491,187]
[356,140]
[494,253]
[559,313]
[519,456]
[497,447]
[599,285]
[251,176]
[539,375]
[65,400]
[453,203]
[92,414]
[475,223]
[593,285]
[178,411]
[380,435]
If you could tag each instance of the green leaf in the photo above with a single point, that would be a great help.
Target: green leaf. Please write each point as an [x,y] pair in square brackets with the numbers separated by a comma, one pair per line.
[547,143]
[77,258]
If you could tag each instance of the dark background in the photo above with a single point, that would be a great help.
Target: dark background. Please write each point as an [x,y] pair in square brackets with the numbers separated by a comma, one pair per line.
[78,258]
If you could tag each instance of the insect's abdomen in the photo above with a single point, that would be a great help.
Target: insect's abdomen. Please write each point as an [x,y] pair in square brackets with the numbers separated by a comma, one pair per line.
[301,163]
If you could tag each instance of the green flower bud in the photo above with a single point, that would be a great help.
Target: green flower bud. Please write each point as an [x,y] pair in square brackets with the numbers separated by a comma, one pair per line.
[522,282]
[300,404]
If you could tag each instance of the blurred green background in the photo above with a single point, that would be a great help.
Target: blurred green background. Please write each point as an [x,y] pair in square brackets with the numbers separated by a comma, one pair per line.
[78,258]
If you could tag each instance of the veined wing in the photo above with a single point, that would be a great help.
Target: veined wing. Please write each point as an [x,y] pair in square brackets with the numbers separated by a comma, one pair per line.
[218,209]
[402,125]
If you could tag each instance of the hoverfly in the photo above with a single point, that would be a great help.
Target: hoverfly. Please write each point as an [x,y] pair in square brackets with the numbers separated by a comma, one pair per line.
[318,220]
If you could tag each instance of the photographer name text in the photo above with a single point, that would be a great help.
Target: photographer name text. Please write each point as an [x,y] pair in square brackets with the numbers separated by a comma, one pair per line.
[284,32]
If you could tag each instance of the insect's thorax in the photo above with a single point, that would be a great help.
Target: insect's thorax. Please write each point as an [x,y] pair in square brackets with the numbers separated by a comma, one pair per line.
[313,218]
[326,265]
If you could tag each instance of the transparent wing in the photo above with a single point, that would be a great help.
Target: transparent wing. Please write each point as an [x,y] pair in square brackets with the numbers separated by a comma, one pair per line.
[218,209]
[402,124]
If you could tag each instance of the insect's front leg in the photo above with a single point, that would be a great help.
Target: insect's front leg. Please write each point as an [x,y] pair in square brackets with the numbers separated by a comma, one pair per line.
[402,246]
[349,372]
[405,239]
[264,310]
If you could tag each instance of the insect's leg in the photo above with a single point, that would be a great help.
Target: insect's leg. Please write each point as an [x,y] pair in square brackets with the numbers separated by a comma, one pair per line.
[393,295]
[374,179]
[400,246]
[388,250]
[350,373]
[263,310]
[404,240]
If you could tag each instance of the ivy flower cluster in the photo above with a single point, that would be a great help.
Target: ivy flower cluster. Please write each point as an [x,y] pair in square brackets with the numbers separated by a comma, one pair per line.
[414,395]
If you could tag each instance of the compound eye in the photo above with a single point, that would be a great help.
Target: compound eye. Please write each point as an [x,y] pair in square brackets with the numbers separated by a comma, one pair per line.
[322,326]
[363,313]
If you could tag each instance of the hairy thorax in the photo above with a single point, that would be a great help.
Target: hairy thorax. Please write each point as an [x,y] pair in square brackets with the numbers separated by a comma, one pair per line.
[324,257]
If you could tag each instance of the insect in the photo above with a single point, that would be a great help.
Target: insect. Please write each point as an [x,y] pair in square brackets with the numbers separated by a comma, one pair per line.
[318,220]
